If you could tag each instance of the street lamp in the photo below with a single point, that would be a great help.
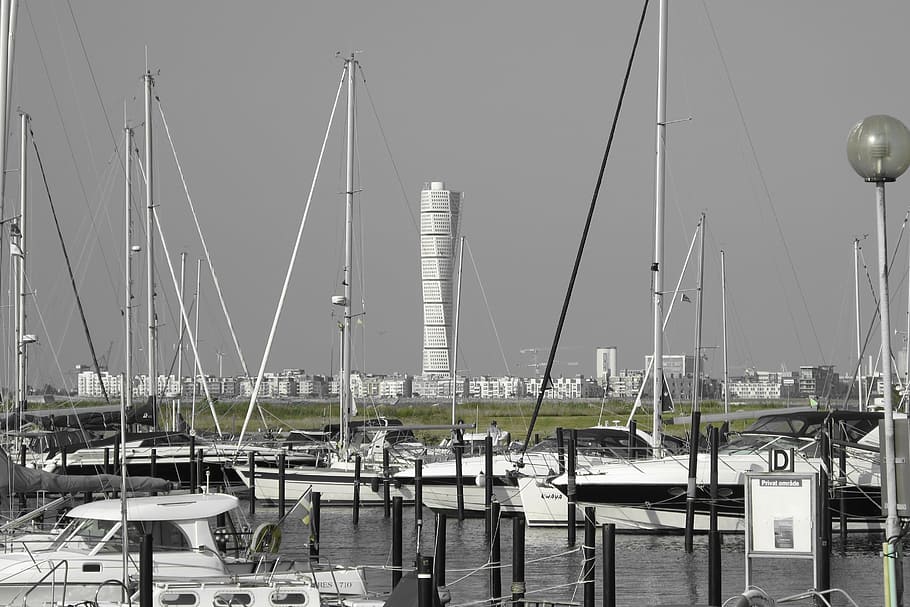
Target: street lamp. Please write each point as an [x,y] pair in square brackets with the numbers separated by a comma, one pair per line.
[878,149]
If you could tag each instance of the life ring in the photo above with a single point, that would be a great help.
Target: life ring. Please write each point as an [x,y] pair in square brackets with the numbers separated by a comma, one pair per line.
[754,597]
[266,539]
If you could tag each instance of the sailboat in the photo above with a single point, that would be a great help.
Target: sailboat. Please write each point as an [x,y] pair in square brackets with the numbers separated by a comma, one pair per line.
[335,482]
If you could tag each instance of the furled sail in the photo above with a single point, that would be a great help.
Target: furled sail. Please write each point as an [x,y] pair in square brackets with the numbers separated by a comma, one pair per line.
[15,478]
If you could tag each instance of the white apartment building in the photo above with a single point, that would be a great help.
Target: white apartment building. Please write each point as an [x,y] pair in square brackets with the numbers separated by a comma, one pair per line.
[440,210]
[499,387]
[88,384]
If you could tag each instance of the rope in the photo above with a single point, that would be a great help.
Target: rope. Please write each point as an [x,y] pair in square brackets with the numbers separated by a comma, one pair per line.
[584,235]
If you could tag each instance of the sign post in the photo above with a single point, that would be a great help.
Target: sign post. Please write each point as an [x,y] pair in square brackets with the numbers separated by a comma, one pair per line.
[780,518]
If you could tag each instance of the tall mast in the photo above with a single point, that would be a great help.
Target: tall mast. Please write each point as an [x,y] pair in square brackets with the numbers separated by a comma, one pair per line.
[150,253]
[699,303]
[454,357]
[345,390]
[859,339]
[21,338]
[723,307]
[128,271]
[656,266]
[176,414]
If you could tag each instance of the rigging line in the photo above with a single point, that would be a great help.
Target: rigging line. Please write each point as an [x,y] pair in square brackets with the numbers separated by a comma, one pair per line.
[183,312]
[69,145]
[205,247]
[486,303]
[385,141]
[95,84]
[584,235]
[765,189]
[53,349]
[287,278]
[69,269]
[75,98]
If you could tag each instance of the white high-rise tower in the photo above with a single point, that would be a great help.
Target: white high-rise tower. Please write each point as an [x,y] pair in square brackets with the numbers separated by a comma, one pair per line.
[440,210]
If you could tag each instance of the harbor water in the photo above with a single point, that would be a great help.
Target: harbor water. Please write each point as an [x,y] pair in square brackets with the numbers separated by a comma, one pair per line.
[650,569]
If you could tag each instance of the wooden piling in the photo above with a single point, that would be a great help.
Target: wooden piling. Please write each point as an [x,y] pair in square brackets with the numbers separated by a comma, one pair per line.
[386,489]
[357,464]
[396,540]
[488,485]
[518,559]
[571,461]
[439,568]
[281,486]
[425,589]
[251,464]
[418,494]
[714,571]
[587,551]
[495,554]
[609,561]
[694,436]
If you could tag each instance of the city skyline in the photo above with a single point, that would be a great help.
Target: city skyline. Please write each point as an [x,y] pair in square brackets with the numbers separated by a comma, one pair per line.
[516,113]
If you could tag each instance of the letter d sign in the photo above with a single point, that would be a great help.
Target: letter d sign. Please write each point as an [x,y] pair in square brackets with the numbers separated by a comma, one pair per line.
[780,460]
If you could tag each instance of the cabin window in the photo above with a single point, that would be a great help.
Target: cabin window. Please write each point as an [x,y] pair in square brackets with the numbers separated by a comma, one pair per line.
[165,534]
[288,598]
[178,598]
[232,599]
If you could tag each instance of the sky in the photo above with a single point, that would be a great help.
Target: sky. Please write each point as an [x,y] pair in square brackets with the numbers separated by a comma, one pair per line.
[510,102]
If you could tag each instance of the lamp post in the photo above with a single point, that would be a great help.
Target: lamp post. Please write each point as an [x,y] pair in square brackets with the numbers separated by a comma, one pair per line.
[878,149]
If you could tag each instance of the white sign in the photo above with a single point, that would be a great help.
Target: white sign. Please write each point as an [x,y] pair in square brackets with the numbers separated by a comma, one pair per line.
[781,510]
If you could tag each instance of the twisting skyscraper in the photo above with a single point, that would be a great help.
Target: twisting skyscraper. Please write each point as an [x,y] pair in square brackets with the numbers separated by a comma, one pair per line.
[440,210]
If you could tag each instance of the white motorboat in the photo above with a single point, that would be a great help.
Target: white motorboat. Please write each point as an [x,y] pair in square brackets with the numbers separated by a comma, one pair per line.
[650,495]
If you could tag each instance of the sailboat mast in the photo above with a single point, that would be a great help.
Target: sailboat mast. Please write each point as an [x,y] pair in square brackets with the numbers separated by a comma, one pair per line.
[21,357]
[150,253]
[699,303]
[345,389]
[176,406]
[128,270]
[656,266]
[455,340]
[723,308]
[859,338]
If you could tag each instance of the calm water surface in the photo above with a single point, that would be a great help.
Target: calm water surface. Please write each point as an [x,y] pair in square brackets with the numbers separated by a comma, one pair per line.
[651,569]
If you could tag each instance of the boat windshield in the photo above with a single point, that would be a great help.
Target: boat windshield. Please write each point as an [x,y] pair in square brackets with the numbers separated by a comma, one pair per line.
[106,536]
[754,443]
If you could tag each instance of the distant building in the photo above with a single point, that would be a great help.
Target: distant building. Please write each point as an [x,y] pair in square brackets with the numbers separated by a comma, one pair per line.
[605,364]
[440,210]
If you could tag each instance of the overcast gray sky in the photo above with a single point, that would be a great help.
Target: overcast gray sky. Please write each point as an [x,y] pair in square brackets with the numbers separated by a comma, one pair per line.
[510,102]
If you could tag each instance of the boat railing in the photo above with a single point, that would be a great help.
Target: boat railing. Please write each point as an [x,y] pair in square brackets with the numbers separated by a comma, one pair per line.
[64,564]
[124,591]
[819,596]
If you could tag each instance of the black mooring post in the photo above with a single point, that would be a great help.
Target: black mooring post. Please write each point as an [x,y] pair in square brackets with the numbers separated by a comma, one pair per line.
[495,554]
[694,437]
[396,540]
[561,450]
[439,568]
[107,460]
[281,486]
[714,571]
[386,488]
[23,500]
[459,480]
[518,559]
[633,435]
[488,484]
[153,465]
[823,563]
[315,513]
[588,554]
[251,464]
[571,457]
[609,560]
[357,464]
[842,492]
[425,589]
[194,479]
[418,494]
[63,461]
[200,471]
[116,465]
[145,572]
